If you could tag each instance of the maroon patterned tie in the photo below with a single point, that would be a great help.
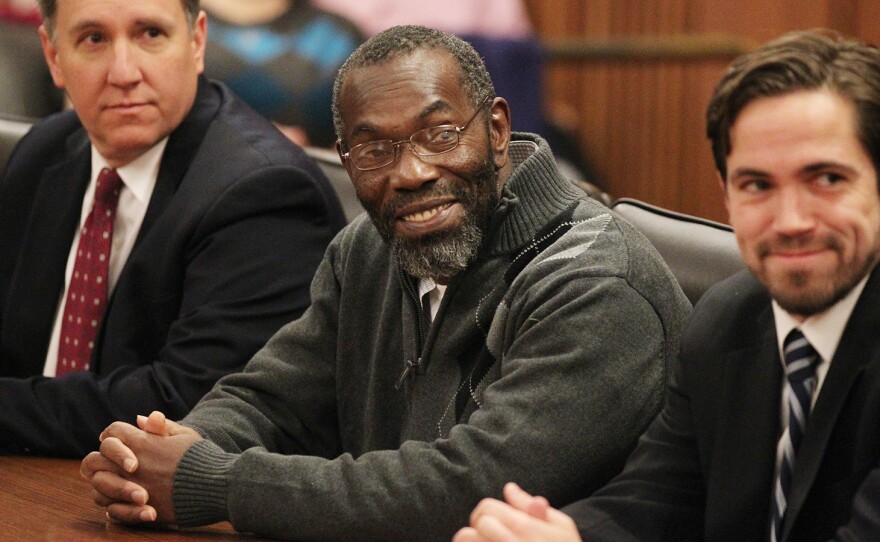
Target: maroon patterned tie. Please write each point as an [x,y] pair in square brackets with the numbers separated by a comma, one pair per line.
[87,295]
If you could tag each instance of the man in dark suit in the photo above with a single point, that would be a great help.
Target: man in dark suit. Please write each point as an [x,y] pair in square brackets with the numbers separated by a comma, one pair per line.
[216,226]
[770,428]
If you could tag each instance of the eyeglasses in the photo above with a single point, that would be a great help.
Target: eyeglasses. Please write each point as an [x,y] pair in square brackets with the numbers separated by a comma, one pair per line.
[428,142]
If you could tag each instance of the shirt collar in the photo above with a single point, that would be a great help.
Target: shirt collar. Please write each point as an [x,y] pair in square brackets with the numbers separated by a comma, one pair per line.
[426,285]
[139,175]
[823,330]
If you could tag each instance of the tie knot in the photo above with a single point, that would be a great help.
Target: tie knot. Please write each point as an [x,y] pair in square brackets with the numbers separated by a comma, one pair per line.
[800,357]
[108,186]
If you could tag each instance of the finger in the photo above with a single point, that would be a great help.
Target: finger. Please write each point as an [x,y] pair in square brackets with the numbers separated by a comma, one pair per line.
[129,514]
[95,462]
[561,519]
[141,422]
[116,451]
[516,496]
[103,500]
[158,424]
[492,528]
[155,423]
[117,429]
[521,500]
[154,427]
[175,428]
[469,534]
[538,508]
[485,506]
[118,489]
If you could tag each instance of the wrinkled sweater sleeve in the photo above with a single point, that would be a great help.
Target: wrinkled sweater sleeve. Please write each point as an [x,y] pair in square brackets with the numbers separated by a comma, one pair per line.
[584,354]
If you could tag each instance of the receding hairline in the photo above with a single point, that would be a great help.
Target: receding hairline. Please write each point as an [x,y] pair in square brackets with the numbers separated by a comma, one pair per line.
[435,105]
[191,10]
[352,71]
[474,78]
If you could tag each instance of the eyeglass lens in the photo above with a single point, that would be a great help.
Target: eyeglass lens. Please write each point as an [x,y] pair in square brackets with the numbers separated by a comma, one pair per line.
[426,142]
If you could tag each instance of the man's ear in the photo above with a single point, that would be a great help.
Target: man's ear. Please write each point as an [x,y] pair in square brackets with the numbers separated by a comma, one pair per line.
[200,39]
[499,131]
[50,52]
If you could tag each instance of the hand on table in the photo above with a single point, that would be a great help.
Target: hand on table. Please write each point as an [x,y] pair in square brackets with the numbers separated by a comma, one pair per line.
[133,473]
[523,518]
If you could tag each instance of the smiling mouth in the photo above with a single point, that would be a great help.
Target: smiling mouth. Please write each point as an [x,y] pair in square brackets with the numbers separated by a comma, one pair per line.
[428,214]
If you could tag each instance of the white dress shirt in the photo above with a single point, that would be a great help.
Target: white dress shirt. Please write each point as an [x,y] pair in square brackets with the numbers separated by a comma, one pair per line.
[138,180]
[824,331]
[436,294]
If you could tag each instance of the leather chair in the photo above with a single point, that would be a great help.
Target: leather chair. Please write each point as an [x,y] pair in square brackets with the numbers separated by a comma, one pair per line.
[329,163]
[699,252]
[11,130]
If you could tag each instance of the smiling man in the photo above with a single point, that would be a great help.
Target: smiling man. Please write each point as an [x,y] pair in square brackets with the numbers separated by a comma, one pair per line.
[770,429]
[151,239]
[484,321]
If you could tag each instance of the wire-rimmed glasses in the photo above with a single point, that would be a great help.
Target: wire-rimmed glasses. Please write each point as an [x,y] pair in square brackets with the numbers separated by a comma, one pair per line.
[426,142]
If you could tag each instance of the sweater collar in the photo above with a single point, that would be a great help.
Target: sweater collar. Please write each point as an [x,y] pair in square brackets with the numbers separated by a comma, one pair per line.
[534,194]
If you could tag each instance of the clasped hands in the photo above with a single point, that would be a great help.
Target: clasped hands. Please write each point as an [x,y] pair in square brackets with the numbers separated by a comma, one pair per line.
[133,473]
[132,476]
[522,518]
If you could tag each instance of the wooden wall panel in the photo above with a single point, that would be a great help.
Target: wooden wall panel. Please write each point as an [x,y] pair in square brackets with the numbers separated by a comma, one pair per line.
[868,21]
[641,121]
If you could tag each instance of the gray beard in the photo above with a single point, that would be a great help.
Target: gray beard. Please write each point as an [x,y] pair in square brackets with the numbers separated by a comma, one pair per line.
[440,257]
[445,254]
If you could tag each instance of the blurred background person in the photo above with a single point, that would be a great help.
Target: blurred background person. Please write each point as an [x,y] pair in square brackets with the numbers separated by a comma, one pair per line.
[281,56]
[20,11]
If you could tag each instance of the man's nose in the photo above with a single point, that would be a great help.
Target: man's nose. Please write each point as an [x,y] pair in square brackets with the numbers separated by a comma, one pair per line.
[124,65]
[411,170]
[794,213]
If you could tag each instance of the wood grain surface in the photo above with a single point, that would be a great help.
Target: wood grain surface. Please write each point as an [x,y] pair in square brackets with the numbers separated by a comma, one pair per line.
[47,500]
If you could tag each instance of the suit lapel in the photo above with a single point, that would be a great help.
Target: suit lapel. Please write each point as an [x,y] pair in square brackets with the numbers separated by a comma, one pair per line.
[858,346]
[39,279]
[747,428]
[183,144]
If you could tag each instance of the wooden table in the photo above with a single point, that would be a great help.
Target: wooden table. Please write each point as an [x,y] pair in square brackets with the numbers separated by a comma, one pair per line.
[47,500]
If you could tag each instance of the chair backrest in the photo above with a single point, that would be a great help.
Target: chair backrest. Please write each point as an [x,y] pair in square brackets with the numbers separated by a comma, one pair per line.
[11,130]
[329,163]
[699,252]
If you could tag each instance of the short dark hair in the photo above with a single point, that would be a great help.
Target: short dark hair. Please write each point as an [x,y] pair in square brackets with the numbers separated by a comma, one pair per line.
[399,40]
[806,60]
[48,9]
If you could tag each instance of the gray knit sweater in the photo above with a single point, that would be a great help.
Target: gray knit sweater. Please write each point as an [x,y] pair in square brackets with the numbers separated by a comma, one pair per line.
[547,359]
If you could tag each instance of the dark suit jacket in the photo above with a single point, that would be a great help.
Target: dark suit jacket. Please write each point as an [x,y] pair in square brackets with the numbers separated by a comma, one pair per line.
[235,229]
[704,469]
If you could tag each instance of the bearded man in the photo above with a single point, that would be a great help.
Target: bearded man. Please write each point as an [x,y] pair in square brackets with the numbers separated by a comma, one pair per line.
[483,321]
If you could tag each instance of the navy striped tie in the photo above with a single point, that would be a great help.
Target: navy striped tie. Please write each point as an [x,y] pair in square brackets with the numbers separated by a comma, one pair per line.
[800,371]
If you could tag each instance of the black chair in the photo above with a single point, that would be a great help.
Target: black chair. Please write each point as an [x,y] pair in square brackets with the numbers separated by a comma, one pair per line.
[329,163]
[699,252]
[11,130]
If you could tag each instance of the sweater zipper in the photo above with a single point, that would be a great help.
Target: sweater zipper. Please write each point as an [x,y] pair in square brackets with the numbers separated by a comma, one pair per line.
[410,365]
